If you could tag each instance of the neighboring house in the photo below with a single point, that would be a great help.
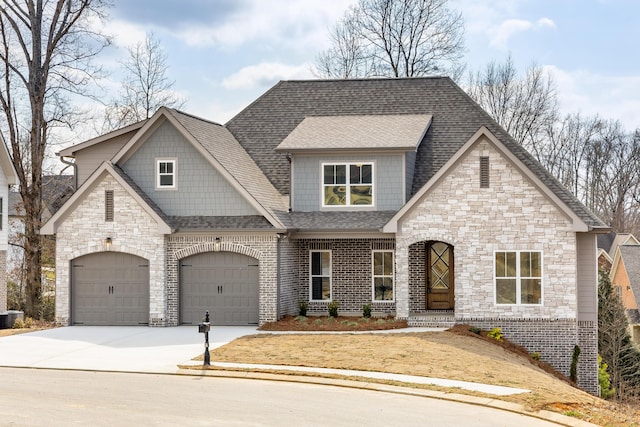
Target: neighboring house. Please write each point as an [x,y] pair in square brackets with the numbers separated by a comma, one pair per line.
[56,189]
[625,279]
[399,193]
[8,176]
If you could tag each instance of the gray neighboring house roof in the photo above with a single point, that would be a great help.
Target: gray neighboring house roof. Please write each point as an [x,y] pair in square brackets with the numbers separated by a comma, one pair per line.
[392,132]
[606,240]
[631,256]
[264,124]
[56,189]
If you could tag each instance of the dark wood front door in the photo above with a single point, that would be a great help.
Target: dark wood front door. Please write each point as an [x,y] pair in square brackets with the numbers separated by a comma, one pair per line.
[439,276]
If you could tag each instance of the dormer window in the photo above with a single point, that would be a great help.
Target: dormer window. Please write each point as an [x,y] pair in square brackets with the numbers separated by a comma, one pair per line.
[347,184]
[165,174]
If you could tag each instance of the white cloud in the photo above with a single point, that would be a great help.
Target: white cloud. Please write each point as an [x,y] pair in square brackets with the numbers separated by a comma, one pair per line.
[303,24]
[265,74]
[500,34]
[610,97]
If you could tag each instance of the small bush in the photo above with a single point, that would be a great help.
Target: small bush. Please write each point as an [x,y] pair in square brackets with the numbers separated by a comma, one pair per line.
[606,391]
[302,308]
[536,355]
[333,309]
[573,370]
[366,311]
[18,324]
[475,330]
[28,322]
[495,333]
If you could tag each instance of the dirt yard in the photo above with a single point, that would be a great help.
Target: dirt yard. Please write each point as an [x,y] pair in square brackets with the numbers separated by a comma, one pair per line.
[458,355]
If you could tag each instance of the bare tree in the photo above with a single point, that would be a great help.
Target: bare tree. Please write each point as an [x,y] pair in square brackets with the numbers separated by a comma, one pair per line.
[524,106]
[394,38]
[46,48]
[145,87]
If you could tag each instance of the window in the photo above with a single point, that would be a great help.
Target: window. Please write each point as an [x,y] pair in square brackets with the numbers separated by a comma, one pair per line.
[347,184]
[108,205]
[320,276]
[518,277]
[619,291]
[484,172]
[383,275]
[166,174]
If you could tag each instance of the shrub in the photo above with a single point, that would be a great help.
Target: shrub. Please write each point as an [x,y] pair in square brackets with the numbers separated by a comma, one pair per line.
[333,309]
[536,355]
[573,371]
[28,322]
[302,308]
[495,333]
[47,309]
[606,391]
[366,310]
[475,330]
[18,324]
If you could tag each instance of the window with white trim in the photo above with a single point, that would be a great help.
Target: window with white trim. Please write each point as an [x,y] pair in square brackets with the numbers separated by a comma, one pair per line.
[518,277]
[320,275]
[347,184]
[165,173]
[382,275]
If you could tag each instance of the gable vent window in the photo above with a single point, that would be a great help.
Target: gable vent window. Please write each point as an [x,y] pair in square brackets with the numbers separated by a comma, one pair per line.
[108,205]
[484,172]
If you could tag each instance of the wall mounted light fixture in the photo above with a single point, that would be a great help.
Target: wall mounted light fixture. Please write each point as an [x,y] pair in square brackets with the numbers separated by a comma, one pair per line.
[216,245]
[107,243]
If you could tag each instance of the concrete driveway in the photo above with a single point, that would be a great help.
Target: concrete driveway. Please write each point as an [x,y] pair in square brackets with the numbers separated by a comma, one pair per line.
[111,348]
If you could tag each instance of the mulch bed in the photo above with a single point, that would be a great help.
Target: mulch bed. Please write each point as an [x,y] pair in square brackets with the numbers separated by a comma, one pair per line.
[326,323]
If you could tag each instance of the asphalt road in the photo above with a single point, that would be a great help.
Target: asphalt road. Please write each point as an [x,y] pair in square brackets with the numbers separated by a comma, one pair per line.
[37,397]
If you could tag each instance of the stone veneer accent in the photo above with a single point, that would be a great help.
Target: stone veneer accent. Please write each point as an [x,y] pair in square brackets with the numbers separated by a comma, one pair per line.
[512,214]
[132,231]
[351,278]
[262,247]
[3,280]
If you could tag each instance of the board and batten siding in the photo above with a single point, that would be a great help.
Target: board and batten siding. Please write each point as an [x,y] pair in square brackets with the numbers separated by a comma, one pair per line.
[200,188]
[388,180]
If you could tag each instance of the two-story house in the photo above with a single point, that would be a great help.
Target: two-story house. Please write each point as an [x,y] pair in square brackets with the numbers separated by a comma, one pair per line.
[399,193]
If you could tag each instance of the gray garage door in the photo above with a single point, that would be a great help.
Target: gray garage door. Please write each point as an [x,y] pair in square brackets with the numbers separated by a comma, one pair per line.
[110,288]
[224,283]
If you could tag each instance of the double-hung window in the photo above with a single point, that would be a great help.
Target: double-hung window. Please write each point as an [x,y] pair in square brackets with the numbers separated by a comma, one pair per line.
[383,275]
[166,173]
[347,184]
[518,277]
[320,275]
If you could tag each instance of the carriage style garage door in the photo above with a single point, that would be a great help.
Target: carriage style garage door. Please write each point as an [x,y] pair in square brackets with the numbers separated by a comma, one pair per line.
[110,288]
[224,283]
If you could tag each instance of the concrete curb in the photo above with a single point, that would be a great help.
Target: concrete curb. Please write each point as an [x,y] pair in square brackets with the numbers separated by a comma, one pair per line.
[432,394]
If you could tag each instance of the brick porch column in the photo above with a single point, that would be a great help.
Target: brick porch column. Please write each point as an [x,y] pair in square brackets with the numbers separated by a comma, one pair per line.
[402,279]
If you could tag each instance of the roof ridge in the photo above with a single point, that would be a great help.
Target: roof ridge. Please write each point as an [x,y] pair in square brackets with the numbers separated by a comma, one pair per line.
[193,116]
[367,79]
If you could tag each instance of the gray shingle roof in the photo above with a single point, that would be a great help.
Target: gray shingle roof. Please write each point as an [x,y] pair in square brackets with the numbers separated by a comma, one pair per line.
[402,132]
[339,221]
[264,124]
[56,189]
[631,257]
[199,223]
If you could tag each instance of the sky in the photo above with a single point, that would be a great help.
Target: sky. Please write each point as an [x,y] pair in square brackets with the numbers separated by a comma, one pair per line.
[223,54]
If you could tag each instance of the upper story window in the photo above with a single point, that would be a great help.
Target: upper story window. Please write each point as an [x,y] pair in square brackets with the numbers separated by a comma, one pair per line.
[518,277]
[165,173]
[347,184]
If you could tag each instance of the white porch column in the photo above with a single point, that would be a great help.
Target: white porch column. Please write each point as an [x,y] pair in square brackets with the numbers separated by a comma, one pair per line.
[402,279]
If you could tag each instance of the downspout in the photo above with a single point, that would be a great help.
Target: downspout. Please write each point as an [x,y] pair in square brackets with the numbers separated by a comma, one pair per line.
[75,170]
[278,238]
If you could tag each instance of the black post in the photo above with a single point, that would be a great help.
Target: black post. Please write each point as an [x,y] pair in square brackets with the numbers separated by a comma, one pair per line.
[207,358]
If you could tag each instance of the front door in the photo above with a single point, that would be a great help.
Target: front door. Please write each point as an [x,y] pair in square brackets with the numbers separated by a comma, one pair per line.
[439,270]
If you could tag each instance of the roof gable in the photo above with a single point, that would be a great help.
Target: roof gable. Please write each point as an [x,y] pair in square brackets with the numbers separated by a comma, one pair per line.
[483,134]
[50,227]
[630,257]
[218,146]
